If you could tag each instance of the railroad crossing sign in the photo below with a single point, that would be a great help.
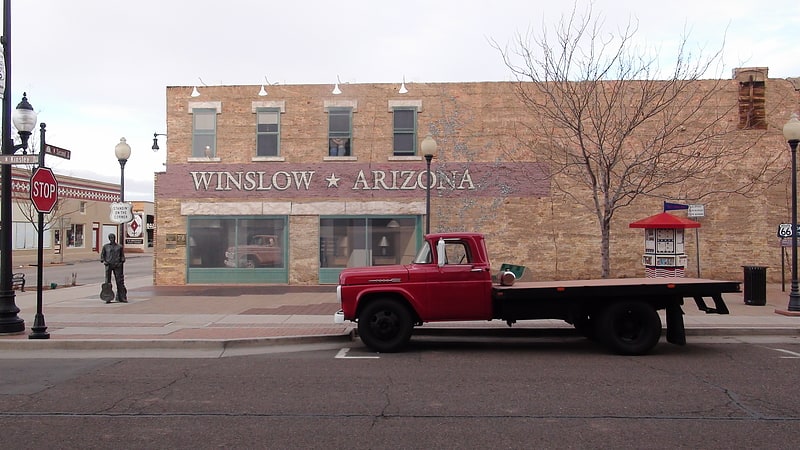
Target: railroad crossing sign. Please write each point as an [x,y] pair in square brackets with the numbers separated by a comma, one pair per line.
[121,212]
[44,190]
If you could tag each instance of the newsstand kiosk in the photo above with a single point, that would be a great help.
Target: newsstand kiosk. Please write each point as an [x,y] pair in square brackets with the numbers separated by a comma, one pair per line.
[664,249]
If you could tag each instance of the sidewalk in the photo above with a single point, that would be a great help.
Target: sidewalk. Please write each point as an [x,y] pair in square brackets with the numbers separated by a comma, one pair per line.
[223,317]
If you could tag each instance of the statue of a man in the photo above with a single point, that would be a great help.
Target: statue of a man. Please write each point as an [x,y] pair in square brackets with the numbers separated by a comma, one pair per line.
[113,256]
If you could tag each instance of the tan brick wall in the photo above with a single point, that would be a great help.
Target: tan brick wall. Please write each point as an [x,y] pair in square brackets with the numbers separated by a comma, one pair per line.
[304,249]
[480,122]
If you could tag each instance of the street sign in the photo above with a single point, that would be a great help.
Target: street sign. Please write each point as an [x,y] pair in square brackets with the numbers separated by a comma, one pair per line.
[121,212]
[696,211]
[785,230]
[44,190]
[57,151]
[19,159]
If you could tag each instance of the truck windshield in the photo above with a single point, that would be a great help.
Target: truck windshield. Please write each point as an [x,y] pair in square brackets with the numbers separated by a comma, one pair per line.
[424,254]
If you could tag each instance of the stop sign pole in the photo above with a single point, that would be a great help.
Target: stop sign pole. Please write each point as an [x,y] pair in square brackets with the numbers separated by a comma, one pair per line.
[44,196]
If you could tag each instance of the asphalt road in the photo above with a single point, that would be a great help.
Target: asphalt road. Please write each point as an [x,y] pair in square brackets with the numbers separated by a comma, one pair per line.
[554,393]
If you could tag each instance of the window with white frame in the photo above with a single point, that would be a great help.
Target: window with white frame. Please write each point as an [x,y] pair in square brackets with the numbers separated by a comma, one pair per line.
[75,236]
[204,133]
[340,126]
[25,236]
[268,132]
[405,131]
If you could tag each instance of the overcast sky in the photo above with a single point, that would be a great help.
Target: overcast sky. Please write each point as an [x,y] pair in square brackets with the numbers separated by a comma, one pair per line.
[97,70]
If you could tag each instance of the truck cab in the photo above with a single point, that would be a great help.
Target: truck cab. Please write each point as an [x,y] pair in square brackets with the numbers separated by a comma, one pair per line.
[449,279]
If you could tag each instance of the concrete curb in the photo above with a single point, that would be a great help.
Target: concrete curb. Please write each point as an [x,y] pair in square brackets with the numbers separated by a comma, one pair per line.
[167,344]
[222,345]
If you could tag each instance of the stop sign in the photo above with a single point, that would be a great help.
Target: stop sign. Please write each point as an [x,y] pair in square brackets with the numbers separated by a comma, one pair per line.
[44,189]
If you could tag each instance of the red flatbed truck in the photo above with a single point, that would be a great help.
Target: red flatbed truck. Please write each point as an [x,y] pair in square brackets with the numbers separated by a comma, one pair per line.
[450,279]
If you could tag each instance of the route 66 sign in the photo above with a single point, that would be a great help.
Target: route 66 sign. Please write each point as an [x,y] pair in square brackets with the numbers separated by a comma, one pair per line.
[785,230]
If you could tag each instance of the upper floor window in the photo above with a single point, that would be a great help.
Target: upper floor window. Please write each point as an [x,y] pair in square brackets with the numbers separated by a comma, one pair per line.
[204,133]
[405,131]
[752,97]
[267,132]
[340,126]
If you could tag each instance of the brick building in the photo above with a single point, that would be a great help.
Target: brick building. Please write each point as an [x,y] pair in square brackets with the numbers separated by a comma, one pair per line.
[292,186]
[79,224]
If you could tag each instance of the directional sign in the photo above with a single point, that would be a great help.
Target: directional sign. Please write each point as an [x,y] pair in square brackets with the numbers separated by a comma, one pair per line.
[57,151]
[696,211]
[121,212]
[44,189]
[19,159]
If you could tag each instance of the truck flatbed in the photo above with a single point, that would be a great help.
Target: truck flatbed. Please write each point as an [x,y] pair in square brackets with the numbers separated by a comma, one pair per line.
[695,288]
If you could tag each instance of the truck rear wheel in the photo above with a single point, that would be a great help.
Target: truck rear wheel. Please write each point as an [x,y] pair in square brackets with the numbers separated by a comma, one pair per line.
[629,328]
[385,326]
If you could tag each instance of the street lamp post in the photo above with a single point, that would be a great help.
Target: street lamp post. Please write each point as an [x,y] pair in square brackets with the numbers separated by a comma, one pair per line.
[428,147]
[123,151]
[791,131]
[24,119]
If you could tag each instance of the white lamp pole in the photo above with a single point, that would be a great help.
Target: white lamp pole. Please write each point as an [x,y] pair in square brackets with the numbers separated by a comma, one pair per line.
[428,148]
[123,151]
[791,131]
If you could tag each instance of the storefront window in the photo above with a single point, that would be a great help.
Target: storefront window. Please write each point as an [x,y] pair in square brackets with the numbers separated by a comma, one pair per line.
[236,242]
[358,242]
[75,236]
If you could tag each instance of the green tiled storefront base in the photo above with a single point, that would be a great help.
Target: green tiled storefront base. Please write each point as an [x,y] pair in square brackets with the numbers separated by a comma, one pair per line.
[236,276]
[329,276]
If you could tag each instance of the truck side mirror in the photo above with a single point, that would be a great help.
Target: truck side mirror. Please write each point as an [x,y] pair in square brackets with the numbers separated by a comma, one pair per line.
[441,259]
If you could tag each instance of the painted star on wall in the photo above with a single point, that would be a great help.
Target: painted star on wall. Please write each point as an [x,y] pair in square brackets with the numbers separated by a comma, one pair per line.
[333,180]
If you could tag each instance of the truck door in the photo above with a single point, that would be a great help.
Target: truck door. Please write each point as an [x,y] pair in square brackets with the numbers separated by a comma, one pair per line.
[461,289]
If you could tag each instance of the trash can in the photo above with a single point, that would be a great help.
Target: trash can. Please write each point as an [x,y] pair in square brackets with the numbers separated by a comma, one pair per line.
[755,285]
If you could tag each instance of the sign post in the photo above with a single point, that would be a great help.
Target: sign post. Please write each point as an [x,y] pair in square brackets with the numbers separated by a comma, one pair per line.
[44,195]
[696,211]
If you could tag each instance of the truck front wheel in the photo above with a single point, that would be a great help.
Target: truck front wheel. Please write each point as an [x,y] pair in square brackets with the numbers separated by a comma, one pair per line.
[629,328]
[385,326]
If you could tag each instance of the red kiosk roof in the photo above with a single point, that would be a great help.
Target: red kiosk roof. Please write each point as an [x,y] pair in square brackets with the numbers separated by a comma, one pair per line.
[664,220]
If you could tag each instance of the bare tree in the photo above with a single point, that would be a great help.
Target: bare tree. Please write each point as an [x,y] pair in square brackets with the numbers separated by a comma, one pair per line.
[31,215]
[601,120]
